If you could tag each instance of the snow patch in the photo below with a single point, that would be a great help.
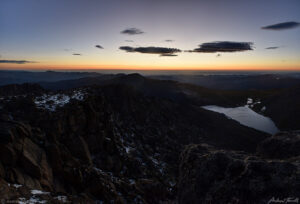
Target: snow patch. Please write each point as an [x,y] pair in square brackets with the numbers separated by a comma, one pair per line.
[131,181]
[17,185]
[38,192]
[51,102]
[63,199]
[14,185]
[249,101]
[32,200]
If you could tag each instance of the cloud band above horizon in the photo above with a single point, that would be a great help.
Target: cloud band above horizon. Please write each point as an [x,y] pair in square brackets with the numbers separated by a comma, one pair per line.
[16,61]
[282,26]
[223,46]
[162,51]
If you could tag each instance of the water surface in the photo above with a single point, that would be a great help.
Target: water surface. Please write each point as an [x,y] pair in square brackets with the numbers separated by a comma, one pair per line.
[246,116]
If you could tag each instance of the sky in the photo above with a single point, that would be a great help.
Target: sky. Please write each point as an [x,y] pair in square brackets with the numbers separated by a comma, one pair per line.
[150,34]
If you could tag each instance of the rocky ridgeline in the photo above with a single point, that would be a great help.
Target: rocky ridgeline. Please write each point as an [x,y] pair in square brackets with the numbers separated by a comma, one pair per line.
[112,144]
[283,145]
[80,152]
[210,175]
[20,89]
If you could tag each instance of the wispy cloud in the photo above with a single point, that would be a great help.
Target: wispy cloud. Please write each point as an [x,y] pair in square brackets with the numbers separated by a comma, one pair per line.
[162,51]
[16,61]
[271,48]
[169,40]
[282,26]
[129,41]
[99,46]
[132,31]
[223,46]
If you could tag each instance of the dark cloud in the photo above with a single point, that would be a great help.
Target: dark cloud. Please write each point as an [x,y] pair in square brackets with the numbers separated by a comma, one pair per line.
[271,48]
[282,26]
[162,51]
[132,31]
[77,54]
[223,46]
[129,41]
[218,55]
[99,46]
[169,40]
[16,61]
[127,48]
[168,55]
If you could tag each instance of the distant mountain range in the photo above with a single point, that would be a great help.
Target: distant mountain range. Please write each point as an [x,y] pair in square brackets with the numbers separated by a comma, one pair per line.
[230,81]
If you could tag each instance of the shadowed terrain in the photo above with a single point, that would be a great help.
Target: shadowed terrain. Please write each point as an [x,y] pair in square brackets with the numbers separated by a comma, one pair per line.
[131,139]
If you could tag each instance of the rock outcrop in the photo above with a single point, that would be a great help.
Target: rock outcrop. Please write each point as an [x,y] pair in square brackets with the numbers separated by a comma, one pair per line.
[211,175]
[283,145]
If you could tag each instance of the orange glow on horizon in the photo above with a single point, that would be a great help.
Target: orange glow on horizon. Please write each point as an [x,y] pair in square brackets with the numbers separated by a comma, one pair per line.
[156,68]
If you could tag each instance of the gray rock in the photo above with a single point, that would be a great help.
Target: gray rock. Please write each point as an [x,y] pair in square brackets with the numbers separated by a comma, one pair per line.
[209,175]
[283,145]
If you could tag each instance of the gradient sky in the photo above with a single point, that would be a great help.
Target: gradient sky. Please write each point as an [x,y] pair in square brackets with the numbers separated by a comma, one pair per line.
[48,32]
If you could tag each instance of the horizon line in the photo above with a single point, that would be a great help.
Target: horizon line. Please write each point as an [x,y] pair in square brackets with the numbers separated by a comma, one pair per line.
[145,70]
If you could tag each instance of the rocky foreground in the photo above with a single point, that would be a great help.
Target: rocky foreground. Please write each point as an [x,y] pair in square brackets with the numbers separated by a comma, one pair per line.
[210,175]
[113,144]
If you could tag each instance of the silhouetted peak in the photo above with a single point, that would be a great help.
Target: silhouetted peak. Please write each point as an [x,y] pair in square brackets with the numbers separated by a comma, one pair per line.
[132,78]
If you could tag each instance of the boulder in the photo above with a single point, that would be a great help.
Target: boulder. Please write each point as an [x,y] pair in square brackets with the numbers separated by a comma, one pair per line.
[31,158]
[55,157]
[8,155]
[80,149]
[6,135]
